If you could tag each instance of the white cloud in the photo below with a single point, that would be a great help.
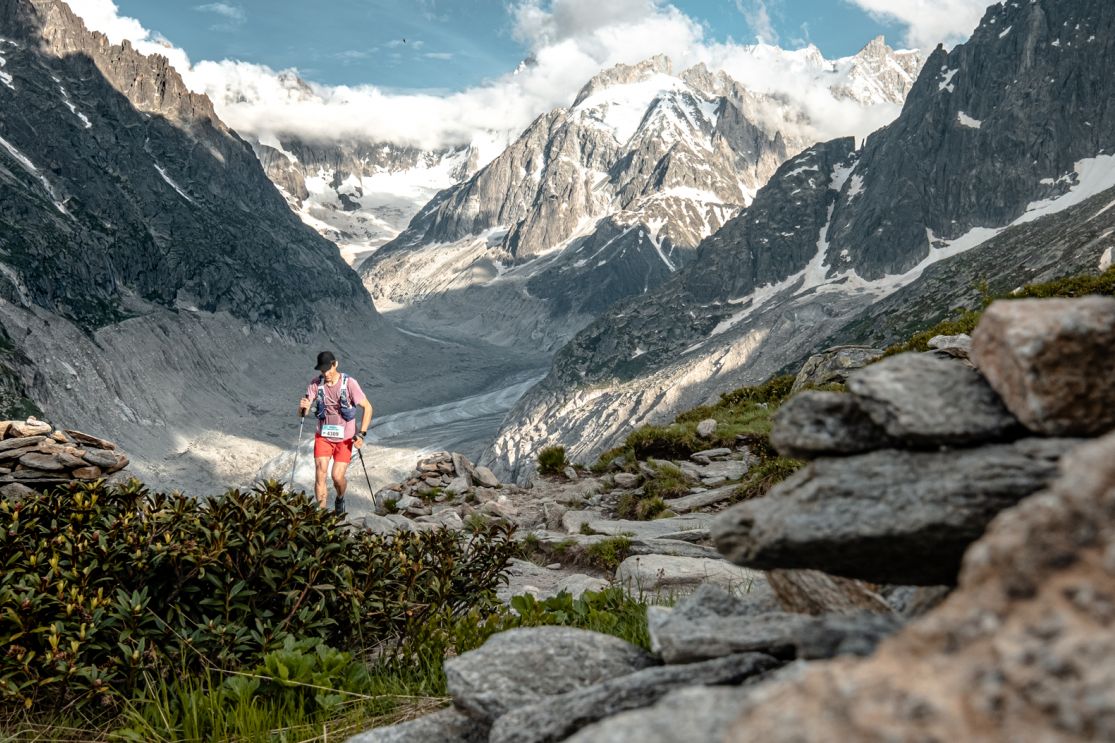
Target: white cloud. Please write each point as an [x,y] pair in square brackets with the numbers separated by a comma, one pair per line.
[231,12]
[929,22]
[758,18]
[569,42]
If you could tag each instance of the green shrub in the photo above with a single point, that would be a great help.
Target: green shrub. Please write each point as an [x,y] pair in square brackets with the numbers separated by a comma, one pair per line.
[109,588]
[608,553]
[671,482]
[551,460]
[664,442]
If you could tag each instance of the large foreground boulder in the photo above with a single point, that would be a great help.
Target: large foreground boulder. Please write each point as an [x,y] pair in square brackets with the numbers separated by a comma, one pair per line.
[446,725]
[555,718]
[1024,649]
[899,517]
[522,666]
[1052,361]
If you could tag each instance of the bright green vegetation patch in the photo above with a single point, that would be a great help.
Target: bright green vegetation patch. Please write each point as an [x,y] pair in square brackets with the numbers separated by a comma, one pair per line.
[965,320]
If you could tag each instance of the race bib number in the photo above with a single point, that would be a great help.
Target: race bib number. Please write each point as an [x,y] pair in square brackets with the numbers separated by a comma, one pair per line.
[332,432]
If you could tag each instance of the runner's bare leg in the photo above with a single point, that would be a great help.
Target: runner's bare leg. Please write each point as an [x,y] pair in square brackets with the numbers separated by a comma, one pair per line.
[339,481]
[321,490]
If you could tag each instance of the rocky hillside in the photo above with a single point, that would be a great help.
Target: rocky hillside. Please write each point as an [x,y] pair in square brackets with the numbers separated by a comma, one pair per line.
[605,199]
[935,571]
[154,285]
[142,195]
[997,169]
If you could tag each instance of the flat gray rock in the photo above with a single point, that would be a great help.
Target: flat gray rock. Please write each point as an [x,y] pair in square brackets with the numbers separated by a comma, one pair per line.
[698,713]
[680,638]
[522,666]
[690,527]
[897,517]
[688,503]
[673,547]
[555,718]
[922,400]
[666,575]
[812,424]
[443,725]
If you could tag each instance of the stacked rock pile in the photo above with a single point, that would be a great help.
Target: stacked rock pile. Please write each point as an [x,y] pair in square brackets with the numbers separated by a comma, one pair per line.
[925,472]
[33,452]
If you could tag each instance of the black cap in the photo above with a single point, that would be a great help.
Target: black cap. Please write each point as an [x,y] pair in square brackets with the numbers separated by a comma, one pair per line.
[325,359]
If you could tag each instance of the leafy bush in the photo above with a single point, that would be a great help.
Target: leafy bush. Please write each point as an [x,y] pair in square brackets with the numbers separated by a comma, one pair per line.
[764,476]
[112,587]
[551,460]
[611,611]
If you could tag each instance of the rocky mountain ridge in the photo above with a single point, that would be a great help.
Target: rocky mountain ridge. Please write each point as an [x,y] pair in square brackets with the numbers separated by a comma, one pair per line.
[597,202]
[838,229]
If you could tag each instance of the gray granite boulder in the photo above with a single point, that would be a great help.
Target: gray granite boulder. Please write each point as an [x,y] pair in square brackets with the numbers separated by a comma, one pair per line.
[443,725]
[890,516]
[923,400]
[522,666]
[555,718]
[813,424]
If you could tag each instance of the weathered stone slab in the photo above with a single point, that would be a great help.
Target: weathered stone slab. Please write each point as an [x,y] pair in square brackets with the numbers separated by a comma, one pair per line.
[814,592]
[925,401]
[555,718]
[891,516]
[690,527]
[833,365]
[84,438]
[698,713]
[813,424]
[1052,361]
[668,575]
[522,666]
[20,442]
[443,725]
[688,503]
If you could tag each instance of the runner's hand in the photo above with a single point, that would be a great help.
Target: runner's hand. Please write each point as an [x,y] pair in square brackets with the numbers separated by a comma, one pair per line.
[303,406]
[358,442]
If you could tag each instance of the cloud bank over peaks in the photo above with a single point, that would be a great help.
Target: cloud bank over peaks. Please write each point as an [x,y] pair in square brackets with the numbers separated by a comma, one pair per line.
[568,42]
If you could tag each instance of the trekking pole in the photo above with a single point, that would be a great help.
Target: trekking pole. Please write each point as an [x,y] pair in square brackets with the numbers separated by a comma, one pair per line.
[341,502]
[294,465]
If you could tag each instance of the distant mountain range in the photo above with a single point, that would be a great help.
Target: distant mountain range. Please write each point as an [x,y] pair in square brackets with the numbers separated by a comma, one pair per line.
[999,169]
[605,199]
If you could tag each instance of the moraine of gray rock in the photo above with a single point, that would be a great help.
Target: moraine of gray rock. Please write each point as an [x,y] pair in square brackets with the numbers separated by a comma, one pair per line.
[698,713]
[555,718]
[443,725]
[833,366]
[813,424]
[522,666]
[578,584]
[922,400]
[890,516]
[1053,361]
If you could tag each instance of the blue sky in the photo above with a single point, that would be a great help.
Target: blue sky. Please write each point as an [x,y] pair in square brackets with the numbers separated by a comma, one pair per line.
[451,44]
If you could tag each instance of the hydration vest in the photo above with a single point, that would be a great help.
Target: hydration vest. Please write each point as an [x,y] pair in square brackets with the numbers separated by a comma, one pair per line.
[347,410]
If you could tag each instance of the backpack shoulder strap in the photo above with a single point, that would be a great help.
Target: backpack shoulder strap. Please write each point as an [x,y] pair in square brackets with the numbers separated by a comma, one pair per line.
[343,395]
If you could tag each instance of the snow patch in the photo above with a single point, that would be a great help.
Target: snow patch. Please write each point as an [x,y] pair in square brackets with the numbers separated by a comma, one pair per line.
[175,186]
[966,120]
[4,76]
[1006,31]
[73,109]
[1106,258]
[26,164]
[946,84]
